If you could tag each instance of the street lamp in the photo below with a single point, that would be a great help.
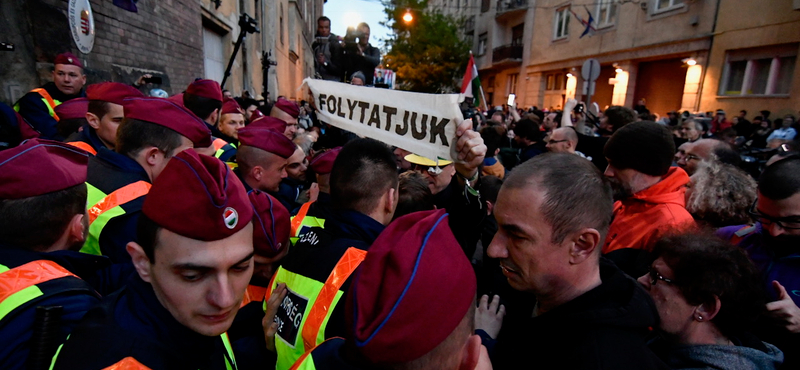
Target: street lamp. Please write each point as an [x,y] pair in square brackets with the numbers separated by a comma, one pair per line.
[408,17]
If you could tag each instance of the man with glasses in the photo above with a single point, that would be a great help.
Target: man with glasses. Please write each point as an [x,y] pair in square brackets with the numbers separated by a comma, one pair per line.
[773,243]
[564,140]
[707,150]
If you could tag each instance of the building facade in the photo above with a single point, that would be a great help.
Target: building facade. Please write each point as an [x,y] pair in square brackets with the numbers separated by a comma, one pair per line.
[177,40]
[695,55]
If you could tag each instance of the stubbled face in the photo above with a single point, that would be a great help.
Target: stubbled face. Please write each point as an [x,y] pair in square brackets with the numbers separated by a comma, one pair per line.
[297,165]
[230,123]
[106,127]
[681,152]
[622,181]
[528,258]
[202,283]
[437,182]
[69,79]
[272,173]
[676,314]
[689,131]
[787,210]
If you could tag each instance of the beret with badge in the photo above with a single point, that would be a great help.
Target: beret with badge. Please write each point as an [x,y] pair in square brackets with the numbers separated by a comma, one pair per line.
[171,115]
[261,134]
[68,59]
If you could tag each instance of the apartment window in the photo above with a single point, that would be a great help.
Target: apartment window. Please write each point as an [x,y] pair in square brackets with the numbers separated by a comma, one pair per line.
[213,55]
[561,23]
[482,39]
[667,4]
[759,71]
[512,84]
[606,14]
[485,5]
[551,82]
[516,34]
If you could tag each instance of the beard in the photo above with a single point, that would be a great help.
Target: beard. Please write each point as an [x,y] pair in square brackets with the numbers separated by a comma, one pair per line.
[782,245]
[621,190]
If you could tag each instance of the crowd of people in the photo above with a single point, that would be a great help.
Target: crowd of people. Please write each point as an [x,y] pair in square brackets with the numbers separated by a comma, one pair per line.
[200,231]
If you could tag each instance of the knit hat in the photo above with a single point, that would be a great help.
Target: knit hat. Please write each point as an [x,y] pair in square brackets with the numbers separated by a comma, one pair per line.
[644,146]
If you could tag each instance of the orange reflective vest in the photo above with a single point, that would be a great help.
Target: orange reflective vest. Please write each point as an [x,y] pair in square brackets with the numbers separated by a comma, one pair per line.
[84,146]
[105,207]
[48,101]
[18,285]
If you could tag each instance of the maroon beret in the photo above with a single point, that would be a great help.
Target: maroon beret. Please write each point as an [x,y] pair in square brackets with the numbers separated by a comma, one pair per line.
[287,106]
[276,124]
[414,272]
[323,163]
[256,115]
[68,58]
[178,98]
[198,197]
[206,89]
[230,106]
[38,167]
[261,135]
[72,109]
[170,115]
[271,224]
[112,92]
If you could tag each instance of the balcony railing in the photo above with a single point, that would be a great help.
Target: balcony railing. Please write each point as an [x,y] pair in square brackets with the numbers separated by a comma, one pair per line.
[507,52]
[509,5]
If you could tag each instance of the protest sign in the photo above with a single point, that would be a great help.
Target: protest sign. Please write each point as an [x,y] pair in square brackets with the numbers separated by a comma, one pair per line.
[424,124]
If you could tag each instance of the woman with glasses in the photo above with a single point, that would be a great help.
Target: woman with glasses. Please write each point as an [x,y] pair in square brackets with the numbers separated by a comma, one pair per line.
[708,295]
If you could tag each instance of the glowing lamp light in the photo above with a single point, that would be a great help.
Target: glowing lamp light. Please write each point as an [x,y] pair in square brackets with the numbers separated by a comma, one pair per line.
[618,70]
[408,17]
[691,62]
[569,75]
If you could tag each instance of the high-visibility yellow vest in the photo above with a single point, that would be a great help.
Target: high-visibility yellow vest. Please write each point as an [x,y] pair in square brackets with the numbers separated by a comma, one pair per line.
[306,309]
[103,207]
[302,221]
[48,100]
[20,285]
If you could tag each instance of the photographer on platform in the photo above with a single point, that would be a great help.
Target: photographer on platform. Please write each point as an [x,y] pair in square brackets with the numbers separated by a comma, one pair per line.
[327,51]
[359,55]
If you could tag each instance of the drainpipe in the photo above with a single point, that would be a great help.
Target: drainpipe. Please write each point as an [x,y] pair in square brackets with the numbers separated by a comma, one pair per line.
[708,60]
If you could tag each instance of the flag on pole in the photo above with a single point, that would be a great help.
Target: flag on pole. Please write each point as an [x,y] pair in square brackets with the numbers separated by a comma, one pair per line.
[586,23]
[471,85]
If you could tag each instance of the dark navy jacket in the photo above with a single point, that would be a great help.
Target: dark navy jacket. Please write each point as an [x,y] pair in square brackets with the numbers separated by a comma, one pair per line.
[89,136]
[34,110]
[75,295]
[109,171]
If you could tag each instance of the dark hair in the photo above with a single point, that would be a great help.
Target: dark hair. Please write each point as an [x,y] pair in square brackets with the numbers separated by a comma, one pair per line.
[726,154]
[489,187]
[704,267]
[200,106]
[133,135]
[146,236]
[528,129]
[245,103]
[323,18]
[67,127]
[619,116]
[493,138]
[743,111]
[37,222]
[413,194]
[98,107]
[781,179]
[362,24]
[576,194]
[362,172]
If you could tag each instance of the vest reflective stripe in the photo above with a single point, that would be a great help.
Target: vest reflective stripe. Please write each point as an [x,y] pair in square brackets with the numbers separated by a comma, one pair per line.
[254,293]
[742,233]
[219,143]
[230,359]
[323,305]
[322,298]
[18,285]
[127,363]
[84,146]
[118,197]
[297,220]
[305,362]
[222,150]
[49,102]
[99,221]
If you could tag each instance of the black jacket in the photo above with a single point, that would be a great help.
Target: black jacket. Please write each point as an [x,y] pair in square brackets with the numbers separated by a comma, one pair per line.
[605,328]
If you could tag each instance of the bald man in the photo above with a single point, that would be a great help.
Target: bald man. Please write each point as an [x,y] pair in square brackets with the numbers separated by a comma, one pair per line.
[700,150]
[562,140]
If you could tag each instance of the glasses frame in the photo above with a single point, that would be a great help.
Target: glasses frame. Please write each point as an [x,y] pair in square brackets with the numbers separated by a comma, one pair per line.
[655,276]
[760,217]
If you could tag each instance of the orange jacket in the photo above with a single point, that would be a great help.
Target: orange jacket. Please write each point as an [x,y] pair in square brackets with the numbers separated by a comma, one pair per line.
[641,219]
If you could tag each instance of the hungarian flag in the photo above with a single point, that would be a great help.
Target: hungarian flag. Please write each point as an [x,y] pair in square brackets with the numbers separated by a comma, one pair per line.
[471,86]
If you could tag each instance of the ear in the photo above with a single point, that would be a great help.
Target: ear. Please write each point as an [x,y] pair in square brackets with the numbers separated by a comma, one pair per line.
[471,353]
[153,156]
[140,260]
[391,201]
[496,152]
[257,173]
[583,245]
[77,229]
[215,116]
[93,120]
[489,207]
[708,310]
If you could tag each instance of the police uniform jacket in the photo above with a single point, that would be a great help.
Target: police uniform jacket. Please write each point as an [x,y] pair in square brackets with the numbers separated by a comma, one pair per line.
[89,136]
[35,111]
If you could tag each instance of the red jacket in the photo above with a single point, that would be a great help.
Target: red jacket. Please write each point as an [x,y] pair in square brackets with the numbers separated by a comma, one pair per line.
[641,219]
[719,126]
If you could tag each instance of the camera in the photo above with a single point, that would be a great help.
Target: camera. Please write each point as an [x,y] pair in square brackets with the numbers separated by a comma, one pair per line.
[352,37]
[248,24]
[579,108]
[6,46]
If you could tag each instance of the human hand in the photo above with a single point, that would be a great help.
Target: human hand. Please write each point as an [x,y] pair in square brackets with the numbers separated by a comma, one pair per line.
[268,322]
[570,105]
[484,363]
[142,78]
[469,149]
[313,192]
[784,310]
[488,316]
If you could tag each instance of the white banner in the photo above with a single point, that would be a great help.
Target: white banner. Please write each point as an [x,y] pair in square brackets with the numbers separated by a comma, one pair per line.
[424,124]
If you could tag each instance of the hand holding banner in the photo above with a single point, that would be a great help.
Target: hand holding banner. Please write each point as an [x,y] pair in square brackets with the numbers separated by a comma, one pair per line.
[424,124]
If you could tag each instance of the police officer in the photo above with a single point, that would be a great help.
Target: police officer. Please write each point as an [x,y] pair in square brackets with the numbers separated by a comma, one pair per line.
[37,106]
[72,116]
[262,154]
[153,131]
[43,217]
[411,305]
[230,121]
[194,260]
[103,116]
[204,99]
[314,213]
[286,111]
